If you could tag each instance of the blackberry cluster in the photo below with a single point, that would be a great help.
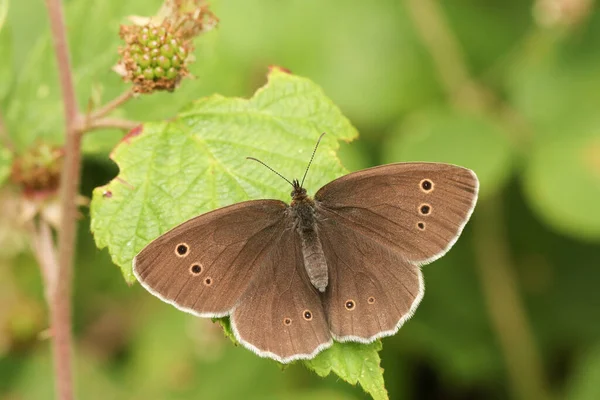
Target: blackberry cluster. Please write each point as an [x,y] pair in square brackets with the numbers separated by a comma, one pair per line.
[155,58]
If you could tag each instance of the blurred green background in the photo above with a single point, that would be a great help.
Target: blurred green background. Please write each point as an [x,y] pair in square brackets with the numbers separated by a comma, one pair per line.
[509,88]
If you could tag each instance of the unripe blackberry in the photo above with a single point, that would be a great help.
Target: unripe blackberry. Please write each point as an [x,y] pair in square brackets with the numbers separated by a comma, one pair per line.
[155,58]
[157,50]
[38,169]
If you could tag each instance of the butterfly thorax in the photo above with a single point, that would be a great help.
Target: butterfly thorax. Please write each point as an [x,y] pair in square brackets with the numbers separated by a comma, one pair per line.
[304,215]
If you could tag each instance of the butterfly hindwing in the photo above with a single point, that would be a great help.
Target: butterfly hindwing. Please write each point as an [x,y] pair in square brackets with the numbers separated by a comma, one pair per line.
[372,290]
[281,315]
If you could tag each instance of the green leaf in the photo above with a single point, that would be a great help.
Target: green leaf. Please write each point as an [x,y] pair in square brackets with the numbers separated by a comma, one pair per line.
[5,164]
[446,135]
[33,108]
[562,181]
[583,384]
[354,363]
[390,71]
[196,163]
[172,171]
[3,12]
[556,81]
[6,61]
[226,325]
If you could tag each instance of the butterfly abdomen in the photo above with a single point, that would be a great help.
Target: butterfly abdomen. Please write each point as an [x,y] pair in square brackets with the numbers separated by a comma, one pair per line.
[303,212]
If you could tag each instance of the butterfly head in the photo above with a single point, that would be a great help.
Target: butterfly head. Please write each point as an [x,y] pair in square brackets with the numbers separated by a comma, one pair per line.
[299,193]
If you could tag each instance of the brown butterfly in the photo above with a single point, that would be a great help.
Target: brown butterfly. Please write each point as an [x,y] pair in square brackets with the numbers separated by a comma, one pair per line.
[343,266]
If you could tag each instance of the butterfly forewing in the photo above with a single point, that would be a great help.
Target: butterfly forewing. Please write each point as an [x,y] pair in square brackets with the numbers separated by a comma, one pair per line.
[281,315]
[204,265]
[416,209]
[372,289]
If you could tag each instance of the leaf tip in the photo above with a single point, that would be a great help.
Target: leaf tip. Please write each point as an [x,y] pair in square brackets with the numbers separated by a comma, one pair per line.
[274,69]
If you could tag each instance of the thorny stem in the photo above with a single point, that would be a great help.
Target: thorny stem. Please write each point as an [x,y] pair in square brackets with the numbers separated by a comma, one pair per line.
[57,265]
[60,302]
[505,306]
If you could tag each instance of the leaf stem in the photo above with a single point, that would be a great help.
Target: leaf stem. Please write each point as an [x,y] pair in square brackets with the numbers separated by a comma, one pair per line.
[107,122]
[111,105]
[60,302]
[506,309]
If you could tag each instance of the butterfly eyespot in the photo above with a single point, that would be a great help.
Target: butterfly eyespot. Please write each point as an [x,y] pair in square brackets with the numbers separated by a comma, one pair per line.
[421,226]
[425,209]
[208,281]
[182,249]
[426,185]
[371,300]
[287,321]
[196,269]
[349,305]
[307,315]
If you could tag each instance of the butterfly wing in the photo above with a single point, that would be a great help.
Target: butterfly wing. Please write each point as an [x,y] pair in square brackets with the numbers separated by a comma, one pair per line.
[372,289]
[281,315]
[204,265]
[416,209]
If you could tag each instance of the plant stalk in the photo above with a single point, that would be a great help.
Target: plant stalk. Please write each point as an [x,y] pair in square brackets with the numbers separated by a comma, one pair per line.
[505,306]
[60,302]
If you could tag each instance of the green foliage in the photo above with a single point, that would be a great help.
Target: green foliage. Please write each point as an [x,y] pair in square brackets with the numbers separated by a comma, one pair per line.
[585,386]
[6,46]
[563,182]
[3,12]
[170,172]
[562,175]
[5,164]
[445,135]
[354,363]
[372,61]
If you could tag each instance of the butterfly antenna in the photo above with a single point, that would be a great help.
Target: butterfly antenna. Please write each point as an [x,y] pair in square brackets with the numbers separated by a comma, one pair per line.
[281,176]
[311,158]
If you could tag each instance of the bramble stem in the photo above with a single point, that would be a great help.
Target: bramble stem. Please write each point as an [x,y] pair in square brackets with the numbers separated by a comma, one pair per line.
[60,302]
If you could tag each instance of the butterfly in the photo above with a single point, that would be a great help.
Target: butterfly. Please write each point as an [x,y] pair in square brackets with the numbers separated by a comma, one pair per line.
[343,266]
